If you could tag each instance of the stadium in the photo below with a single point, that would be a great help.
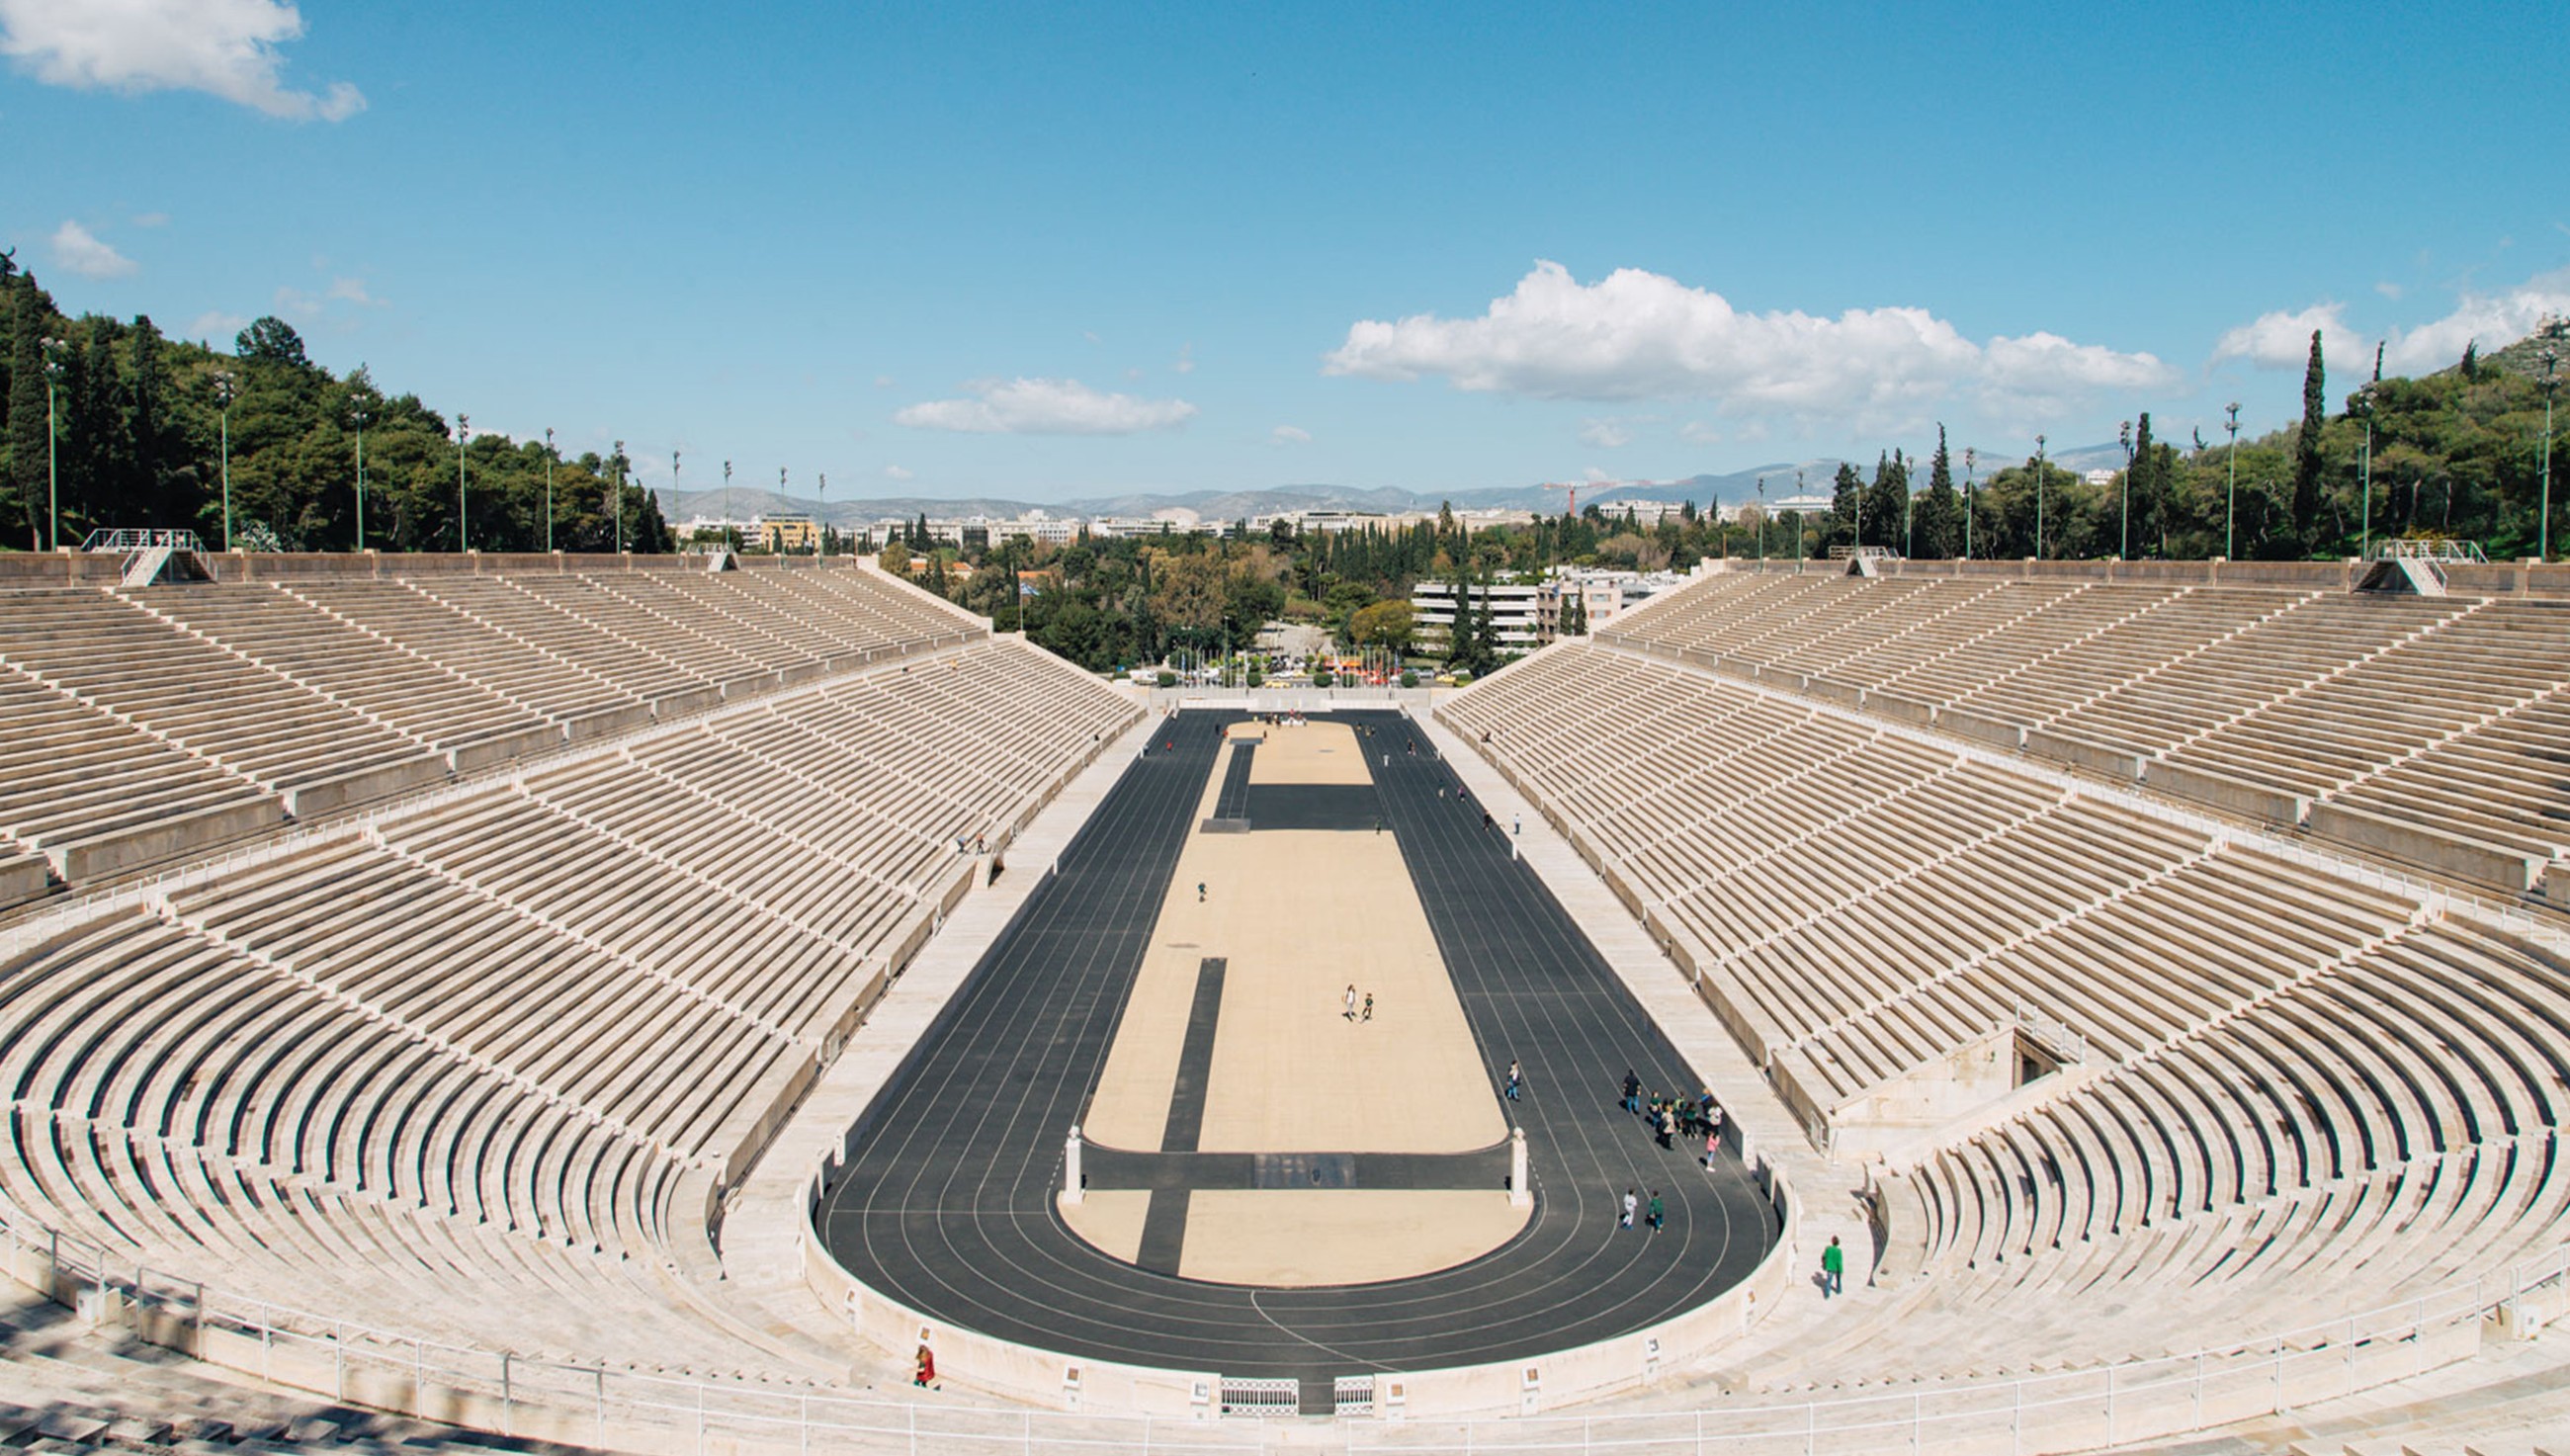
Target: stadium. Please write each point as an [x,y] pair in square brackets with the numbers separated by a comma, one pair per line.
[712,1003]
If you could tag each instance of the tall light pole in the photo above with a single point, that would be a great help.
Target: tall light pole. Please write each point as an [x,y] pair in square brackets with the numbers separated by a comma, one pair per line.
[358,416]
[2231,492]
[2124,537]
[823,540]
[616,465]
[1798,521]
[674,479]
[1972,457]
[53,356]
[2543,526]
[731,534]
[225,390]
[463,525]
[2038,497]
[1762,521]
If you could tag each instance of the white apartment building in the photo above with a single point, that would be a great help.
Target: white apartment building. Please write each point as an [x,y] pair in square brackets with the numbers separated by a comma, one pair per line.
[1515,615]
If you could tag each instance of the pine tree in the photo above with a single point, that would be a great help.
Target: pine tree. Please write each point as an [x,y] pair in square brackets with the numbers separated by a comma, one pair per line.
[2307,449]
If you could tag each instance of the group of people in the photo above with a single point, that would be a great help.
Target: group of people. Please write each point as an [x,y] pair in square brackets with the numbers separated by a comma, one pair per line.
[1353,1009]
[1673,1117]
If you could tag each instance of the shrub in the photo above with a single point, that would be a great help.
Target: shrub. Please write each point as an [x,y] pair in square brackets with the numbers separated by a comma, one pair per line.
[1168,679]
[1256,678]
[1409,679]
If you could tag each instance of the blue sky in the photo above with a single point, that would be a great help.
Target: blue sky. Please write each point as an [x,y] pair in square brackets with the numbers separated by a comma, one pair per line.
[1056,251]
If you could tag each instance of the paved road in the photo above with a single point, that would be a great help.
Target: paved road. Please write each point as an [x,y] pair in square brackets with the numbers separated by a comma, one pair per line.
[946,1202]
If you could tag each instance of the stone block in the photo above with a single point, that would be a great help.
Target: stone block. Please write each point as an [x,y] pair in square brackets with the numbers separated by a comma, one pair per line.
[2229,794]
[2509,869]
[607,720]
[682,705]
[321,796]
[164,838]
[502,748]
[1985,730]
[2118,763]
[1846,694]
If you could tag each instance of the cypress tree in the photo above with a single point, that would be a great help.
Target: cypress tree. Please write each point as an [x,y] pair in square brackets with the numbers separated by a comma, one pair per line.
[1886,503]
[1847,505]
[31,310]
[2307,449]
[1938,532]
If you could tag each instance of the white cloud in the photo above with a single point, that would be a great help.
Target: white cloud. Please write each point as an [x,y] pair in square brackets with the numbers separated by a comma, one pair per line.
[1044,407]
[1289,435]
[2494,319]
[1604,435]
[353,291]
[882,382]
[226,48]
[1697,432]
[1186,364]
[895,472]
[151,220]
[76,250]
[1642,336]
[216,328]
[2389,290]
[2281,340]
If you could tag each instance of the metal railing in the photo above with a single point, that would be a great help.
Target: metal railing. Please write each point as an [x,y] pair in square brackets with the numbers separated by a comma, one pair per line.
[643,1411]
[2436,549]
[128,540]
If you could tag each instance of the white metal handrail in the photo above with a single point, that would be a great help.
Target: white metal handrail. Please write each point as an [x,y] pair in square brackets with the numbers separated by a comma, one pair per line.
[129,539]
[640,1410]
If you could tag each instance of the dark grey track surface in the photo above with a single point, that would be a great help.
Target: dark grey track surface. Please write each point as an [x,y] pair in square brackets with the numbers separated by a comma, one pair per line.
[946,1202]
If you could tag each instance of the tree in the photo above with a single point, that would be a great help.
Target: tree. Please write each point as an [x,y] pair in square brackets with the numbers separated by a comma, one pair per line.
[1847,506]
[1886,505]
[1938,532]
[1574,612]
[271,341]
[1386,625]
[2307,448]
[895,559]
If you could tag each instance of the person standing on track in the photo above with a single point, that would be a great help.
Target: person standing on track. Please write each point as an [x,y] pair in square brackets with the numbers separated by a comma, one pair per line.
[1516,1081]
[1630,1202]
[1201,893]
[1368,1013]
[1659,1211]
[1350,1001]
[1632,1090]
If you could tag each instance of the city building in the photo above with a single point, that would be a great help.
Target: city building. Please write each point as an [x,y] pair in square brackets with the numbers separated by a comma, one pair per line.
[1514,615]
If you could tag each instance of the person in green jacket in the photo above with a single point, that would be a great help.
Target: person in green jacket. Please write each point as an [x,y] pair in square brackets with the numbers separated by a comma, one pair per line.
[1833,1268]
[1660,1213]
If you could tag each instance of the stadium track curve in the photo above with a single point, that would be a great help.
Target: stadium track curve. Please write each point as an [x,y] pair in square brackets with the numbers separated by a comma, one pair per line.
[946,1202]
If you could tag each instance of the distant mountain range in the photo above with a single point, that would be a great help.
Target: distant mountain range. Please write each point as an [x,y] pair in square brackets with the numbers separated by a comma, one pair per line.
[1213,505]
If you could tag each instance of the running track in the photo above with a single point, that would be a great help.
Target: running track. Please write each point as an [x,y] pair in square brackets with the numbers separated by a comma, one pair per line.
[946,1202]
